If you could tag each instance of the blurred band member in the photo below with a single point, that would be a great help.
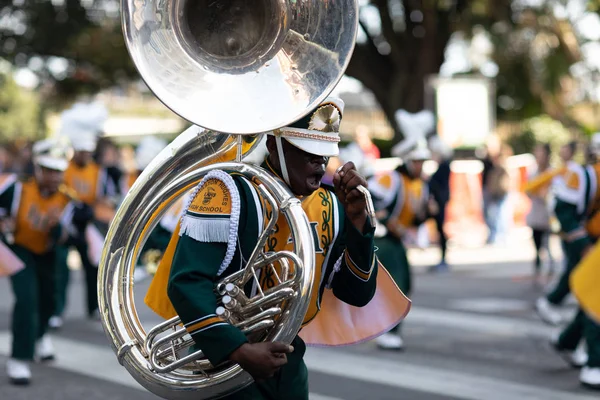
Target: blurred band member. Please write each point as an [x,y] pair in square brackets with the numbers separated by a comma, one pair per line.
[577,201]
[157,242]
[43,216]
[92,186]
[570,174]
[538,189]
[400,200]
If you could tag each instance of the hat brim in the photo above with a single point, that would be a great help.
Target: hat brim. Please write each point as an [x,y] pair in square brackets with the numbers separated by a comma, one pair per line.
[316,147]
[419,155]
[52,163]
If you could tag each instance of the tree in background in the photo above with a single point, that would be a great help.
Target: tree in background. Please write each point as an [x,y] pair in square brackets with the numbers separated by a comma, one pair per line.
[406,41]
[76,46]
[19,111]
[72,46]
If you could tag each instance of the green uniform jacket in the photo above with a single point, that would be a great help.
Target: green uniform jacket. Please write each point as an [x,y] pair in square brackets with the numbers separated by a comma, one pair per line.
[199,264]
[574,205]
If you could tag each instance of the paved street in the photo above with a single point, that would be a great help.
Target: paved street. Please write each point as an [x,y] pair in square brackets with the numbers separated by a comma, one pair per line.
[472,334]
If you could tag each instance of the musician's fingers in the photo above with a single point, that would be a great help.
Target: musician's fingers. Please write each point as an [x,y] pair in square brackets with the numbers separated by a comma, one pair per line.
[343,170]
[354,195]
[278,362]
[351,181]
[279,347]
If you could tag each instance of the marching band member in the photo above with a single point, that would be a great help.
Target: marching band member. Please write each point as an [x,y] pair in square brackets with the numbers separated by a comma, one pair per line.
[538,188]
[42,216]
[148,148]
[212,242]
[400,199]
[577,201]
[546,306]
[92,185]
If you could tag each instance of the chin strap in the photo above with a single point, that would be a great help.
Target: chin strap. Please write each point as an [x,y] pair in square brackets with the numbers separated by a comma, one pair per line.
[282,165]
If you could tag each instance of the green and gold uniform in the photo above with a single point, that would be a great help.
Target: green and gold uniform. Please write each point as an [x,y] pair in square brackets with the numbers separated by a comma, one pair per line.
[219,231]
[576,201]
[34,242]
[399,201]
[90,183]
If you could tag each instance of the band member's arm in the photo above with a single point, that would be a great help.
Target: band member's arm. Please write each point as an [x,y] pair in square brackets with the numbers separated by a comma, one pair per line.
[72,222]
[199,257]
[573,230]
[191,285]
[354,275]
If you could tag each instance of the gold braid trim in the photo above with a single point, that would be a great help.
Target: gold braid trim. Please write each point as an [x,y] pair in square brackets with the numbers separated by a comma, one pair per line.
[305,135]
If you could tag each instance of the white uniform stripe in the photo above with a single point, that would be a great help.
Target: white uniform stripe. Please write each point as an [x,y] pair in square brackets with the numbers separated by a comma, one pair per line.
[427,379]
[75,356]
[16,199]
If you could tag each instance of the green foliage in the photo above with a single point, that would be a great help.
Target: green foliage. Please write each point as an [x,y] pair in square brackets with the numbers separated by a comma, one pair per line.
[19,111]
[541,129]
[88,38]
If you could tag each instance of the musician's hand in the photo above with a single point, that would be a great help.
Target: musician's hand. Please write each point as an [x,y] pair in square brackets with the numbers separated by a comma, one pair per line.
[53,219]
[345,181]
[261,360]
[82,215]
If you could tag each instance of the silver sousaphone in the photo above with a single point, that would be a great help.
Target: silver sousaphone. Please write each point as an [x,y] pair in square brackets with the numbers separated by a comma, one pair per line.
[236,68]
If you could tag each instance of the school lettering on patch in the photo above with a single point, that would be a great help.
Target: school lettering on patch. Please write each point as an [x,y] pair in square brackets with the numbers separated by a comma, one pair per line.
[212,200]
[213,213]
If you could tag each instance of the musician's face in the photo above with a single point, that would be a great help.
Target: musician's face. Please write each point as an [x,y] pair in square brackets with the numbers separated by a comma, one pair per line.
[305,170]
[82,158]
[49,179]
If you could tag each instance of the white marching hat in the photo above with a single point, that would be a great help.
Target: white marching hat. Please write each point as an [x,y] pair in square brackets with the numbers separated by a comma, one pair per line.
[318,132]
[82,124]
[148,148]
[51,153]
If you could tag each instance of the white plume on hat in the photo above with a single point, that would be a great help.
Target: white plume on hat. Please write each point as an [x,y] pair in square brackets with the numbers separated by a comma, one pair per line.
[594,145]
[415,128]
[148,148]
[438,146]
[52,153]
[82,124]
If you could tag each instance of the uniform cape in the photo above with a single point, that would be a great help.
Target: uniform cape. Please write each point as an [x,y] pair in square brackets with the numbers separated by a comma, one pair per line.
[10,263]
[337,323]
[585,283]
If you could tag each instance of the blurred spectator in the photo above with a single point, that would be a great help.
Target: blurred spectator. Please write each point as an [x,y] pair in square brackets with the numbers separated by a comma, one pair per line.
[495,196]
[362,151]
[4,160]
[439,190]
[538,219]
[362,138]
[108,156]
[107,153]
[22,161]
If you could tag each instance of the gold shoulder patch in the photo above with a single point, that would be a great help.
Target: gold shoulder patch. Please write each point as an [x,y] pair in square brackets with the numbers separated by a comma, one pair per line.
[214,212]
[212,200]
[572,180]
[385,181]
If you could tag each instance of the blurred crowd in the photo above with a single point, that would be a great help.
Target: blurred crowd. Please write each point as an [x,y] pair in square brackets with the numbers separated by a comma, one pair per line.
[410,190]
